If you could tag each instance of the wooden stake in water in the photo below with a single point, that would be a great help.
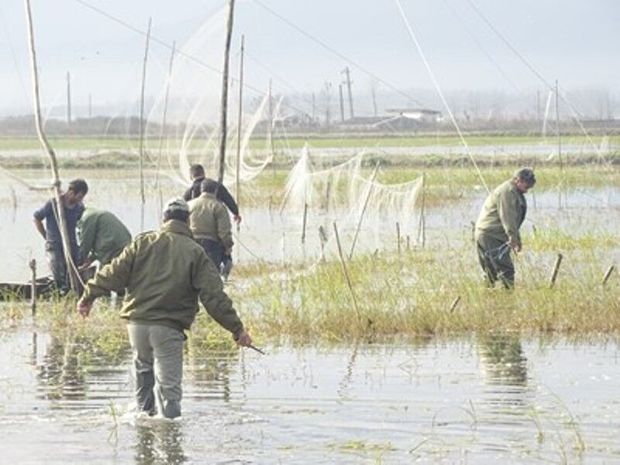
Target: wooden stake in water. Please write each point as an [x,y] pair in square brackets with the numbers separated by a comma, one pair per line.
[398,237]
[359,221]
[73,278]
[346,275]
[556,270]
[33,286]
[455,302]
[608,273]
[141,142]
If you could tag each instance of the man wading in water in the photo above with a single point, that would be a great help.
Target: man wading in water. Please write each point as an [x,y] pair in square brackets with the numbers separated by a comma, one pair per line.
[497,228]
[164,272]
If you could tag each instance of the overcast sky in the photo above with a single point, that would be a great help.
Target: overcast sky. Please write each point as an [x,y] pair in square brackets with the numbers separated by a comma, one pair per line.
[575,41]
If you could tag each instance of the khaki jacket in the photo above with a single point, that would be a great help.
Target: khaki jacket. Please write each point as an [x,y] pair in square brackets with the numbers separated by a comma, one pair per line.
[208,219]
[502,214]
[165,272]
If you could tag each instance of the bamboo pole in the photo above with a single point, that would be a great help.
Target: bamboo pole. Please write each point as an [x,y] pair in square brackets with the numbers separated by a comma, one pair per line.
[346,275]
[73,279]
[239,124]
[608,273]
[556,270]
[162,130]
[359,221]
[141,142]
[33,286]
[224,98]
[422,224]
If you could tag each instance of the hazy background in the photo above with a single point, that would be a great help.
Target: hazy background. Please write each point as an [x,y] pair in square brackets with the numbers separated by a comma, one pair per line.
[576,42]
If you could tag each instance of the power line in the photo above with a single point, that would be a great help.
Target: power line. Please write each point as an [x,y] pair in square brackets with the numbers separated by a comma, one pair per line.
[336,52]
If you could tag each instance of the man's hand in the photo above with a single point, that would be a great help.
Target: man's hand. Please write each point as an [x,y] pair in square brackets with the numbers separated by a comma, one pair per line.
[237,218]
[243,339]
[83,307]
[514,244]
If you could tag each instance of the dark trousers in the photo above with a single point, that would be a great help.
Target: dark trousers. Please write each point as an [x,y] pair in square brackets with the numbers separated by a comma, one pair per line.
[495,260]
[215,251]
[58,265]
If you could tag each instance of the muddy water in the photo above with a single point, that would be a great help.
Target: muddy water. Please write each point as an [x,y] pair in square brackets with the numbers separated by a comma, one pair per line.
[267,235]
[491,400]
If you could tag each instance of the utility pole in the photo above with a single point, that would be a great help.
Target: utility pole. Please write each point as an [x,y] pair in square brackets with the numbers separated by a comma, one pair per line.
[68,99]
[224,99]
[90,106]
[313,107]
[341,103]
[347,73]
[538,106]
[328,86]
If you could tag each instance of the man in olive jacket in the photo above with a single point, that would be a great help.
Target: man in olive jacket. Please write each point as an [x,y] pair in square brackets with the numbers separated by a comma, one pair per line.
[102,236]
[210,224]
[164,272]
[497,228]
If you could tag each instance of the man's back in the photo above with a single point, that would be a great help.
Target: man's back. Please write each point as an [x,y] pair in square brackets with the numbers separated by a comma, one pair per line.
[209,220]
[102,234]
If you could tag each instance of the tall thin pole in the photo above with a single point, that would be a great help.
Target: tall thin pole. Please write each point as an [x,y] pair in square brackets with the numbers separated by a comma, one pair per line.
[557,122]
[141,143]
[162,130]
[224,99]
[347,73]
[68,99]
[374,100]
[50,151]
[341,102]
[239,125]
[313,107]
[90,106]
[359,221]
[270,134]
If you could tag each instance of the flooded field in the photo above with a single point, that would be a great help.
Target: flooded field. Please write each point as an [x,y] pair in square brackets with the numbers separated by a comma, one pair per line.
[268,235]
[491,399]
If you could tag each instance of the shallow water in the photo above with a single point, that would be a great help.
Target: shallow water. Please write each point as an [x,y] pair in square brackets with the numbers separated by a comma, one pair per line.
[267,235]
[478,400]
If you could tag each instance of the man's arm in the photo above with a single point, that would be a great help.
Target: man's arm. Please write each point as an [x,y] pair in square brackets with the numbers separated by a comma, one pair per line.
[224,196]
[217,304]
[112,277]
[508,212]
[39,216]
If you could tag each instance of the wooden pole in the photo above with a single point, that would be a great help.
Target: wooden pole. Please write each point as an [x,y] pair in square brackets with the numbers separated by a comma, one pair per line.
[346,275]
[347,72]
[422,224]
[162,130]
[270,134]
[608,273]
[398,237]
[141,143]
[73,279]
[556,269]
[224,99]
[341,102]
[239,125]
[455,302]
[33,286]
[359,221]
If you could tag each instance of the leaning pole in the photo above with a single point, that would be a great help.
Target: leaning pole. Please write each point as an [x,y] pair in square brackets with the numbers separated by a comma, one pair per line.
[224,99]
[73,278]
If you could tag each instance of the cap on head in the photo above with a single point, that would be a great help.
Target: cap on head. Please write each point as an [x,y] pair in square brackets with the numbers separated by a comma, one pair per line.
[526,175]
[176,204]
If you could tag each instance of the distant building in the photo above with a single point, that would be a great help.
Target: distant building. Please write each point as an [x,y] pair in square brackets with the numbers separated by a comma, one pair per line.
[418,114]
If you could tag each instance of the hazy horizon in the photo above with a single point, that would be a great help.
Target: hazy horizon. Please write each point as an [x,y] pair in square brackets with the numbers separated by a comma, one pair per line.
[574,42]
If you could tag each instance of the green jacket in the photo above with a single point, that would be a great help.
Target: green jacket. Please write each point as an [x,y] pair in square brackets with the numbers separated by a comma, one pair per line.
[102,236]
[502,214]
[209,219]
[165,272]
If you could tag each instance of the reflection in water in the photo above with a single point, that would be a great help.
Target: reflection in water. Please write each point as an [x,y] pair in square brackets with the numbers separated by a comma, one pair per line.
[159,442]
[212,372]
[503,359]
[60,373]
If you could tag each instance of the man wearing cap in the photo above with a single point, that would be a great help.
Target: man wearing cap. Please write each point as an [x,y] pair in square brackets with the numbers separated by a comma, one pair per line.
[210,224]
[497,228]
[165,273]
